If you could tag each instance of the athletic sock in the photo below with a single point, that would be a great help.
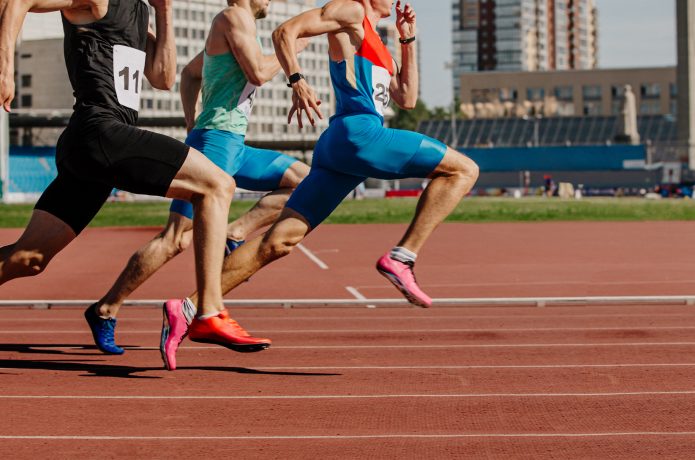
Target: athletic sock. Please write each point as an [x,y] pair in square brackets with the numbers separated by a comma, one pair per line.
[209,315]
[403,255]
[189,310]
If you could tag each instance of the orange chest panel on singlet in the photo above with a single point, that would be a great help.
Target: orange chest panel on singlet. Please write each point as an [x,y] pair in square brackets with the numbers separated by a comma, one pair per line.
[373,49]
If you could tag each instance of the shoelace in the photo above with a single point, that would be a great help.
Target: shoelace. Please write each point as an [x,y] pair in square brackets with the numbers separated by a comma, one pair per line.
[107,329]
[411,266]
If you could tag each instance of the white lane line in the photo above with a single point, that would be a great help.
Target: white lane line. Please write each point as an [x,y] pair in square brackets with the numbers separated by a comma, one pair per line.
[471,367]
[357,294]
[366,396]
[356,437]
[544,283]
[688,314]
[462,367]
[388,330]
[312,257]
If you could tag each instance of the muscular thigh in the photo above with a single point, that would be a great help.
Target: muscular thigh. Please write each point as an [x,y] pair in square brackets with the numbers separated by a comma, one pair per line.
[121,156]
[73,200]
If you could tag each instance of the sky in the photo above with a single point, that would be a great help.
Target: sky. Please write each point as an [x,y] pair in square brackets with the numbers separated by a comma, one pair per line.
[632,33]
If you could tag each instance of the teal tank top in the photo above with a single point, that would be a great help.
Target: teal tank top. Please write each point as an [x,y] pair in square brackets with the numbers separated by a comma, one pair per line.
[227,95]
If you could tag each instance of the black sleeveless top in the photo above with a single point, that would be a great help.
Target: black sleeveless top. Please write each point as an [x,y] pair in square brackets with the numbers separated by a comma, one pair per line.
[105,62]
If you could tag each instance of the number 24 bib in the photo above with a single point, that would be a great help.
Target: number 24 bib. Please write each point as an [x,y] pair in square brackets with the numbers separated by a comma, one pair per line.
[128,72]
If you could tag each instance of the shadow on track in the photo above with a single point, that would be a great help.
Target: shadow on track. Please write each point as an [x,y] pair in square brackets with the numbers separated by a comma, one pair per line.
[72,349]
[98,368]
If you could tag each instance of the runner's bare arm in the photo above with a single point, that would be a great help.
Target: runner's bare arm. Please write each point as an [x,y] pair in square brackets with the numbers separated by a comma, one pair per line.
[336,16]
[404,85]
[240,33]
[160,60]
[191,80]
[12,14]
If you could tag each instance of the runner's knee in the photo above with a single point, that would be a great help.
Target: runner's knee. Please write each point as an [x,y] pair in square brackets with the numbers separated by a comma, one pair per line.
[461,167]
[469,168]
[177,243]
[219,185]
[27,263]
[276,246]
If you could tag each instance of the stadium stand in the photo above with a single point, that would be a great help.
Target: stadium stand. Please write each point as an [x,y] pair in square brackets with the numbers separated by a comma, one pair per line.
[556,131]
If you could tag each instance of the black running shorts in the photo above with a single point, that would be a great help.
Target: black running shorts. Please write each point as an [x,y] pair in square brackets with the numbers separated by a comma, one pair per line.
[94,158]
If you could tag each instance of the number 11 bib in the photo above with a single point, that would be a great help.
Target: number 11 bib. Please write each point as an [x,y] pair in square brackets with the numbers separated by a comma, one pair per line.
[128,72]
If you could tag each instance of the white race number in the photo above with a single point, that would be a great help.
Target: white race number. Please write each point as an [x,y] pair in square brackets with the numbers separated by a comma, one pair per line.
[128,72]
[247,98]
[381,81]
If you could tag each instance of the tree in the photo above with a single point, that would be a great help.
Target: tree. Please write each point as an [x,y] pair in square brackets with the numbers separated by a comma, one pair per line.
[409,119]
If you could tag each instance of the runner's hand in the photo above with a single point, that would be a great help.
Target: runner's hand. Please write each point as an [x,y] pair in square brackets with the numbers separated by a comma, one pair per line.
[304,100]
[6,88]
[405,20]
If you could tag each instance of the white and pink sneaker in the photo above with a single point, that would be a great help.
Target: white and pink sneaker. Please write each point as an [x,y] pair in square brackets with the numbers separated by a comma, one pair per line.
[402,276]
[174,330]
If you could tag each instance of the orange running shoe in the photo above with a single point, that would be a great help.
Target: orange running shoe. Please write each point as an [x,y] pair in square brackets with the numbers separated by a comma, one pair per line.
[223,330]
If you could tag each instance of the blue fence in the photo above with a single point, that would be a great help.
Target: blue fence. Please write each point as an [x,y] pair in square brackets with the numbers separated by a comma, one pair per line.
[31,169]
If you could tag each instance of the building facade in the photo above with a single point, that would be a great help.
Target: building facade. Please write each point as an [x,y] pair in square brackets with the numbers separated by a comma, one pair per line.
[522,35]
[567,93]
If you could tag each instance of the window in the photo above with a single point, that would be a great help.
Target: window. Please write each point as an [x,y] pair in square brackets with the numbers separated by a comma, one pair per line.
[651,90]
[535,94]
[564,93]
[617,91]
[591,92]
[508,94]
[650,108]
[26,100]
[26,81]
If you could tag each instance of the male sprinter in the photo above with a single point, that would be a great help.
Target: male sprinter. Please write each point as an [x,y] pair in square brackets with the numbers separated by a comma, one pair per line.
[229,69]
[109,49]
[356,145]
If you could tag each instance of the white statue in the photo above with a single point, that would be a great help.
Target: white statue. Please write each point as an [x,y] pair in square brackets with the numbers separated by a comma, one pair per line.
[627,122]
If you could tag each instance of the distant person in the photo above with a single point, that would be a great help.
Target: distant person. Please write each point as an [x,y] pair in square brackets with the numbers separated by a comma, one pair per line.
[548,185]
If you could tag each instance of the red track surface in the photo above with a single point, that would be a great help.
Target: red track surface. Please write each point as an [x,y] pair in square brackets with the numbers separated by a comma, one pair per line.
[563,382]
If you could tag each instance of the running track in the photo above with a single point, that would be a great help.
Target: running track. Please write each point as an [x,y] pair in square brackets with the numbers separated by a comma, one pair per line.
[561,382]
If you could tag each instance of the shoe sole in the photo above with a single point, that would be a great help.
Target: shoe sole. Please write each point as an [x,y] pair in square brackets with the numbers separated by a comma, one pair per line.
[406,293]
[166,328]
[251,348]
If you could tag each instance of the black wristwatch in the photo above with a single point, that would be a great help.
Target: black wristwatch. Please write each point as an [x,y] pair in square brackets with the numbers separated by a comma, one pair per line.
[294,78]
[405,41]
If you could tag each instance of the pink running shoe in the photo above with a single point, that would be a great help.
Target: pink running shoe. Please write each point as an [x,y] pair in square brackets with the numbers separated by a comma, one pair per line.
[402,276]
[174,330]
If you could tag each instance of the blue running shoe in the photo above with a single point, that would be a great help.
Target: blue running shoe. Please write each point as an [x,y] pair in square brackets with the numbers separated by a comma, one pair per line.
[231,246]
[102,331]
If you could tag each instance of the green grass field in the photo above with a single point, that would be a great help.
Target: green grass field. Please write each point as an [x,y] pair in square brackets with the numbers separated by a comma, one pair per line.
[401,210]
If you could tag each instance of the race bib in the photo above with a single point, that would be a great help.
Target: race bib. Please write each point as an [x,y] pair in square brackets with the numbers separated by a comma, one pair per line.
[381,80]
[128,72]
[246,100]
